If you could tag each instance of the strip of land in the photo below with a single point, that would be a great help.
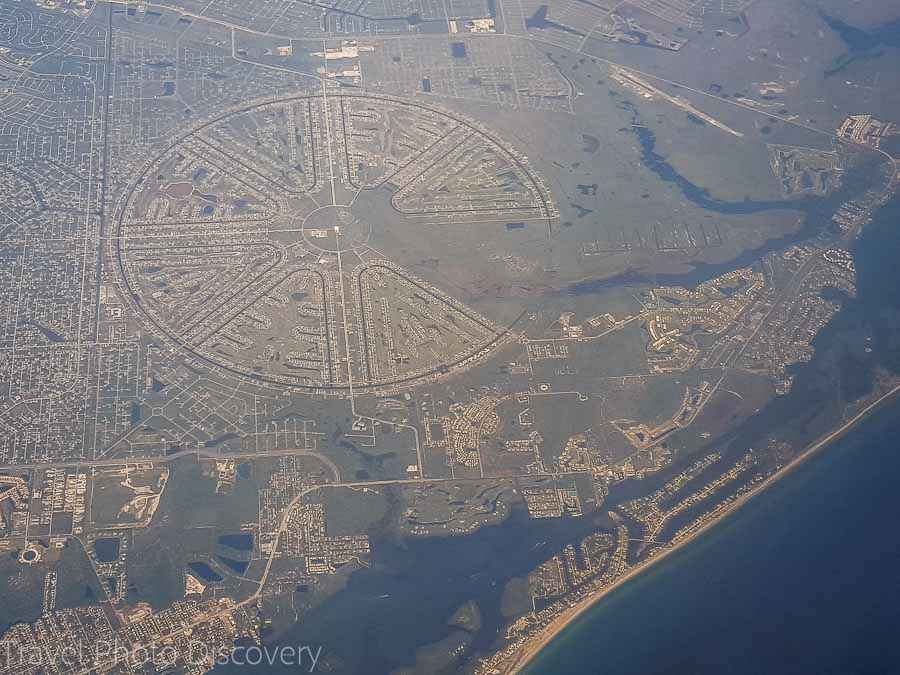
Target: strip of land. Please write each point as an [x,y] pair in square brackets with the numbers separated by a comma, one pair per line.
[533,647]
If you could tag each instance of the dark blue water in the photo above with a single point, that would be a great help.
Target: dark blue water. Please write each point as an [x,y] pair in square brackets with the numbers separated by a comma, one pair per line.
[240,541]
[861,44]
[403,601]
[205,572]
[804,578]
[817,212]
[857,39]
[801,580]
[236,566]
[107,549]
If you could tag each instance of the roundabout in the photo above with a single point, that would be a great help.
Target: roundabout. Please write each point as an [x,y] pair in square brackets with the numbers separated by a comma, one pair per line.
[333,229]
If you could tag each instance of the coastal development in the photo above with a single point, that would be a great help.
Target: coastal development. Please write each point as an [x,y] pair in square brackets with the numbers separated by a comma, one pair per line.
[400,334]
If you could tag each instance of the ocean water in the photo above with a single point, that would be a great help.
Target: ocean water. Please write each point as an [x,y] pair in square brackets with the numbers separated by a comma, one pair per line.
[803,579]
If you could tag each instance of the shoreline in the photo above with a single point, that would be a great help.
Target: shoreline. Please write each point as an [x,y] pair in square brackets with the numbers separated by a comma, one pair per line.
[556,627]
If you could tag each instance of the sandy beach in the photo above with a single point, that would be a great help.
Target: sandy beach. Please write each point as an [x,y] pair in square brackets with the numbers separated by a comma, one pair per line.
[534,646]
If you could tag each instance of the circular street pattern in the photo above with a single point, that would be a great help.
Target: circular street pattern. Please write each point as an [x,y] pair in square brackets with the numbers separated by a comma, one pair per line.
[262,241]
[335,228]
